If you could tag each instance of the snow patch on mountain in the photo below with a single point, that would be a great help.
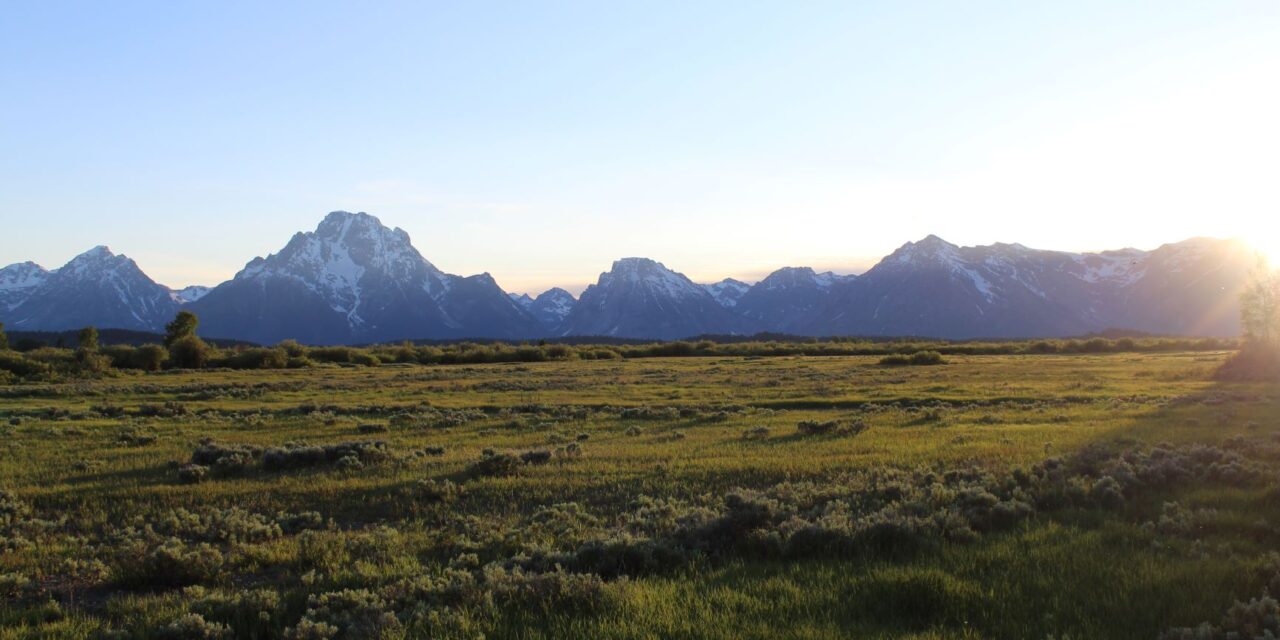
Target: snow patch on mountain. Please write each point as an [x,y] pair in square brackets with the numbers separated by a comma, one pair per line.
[18,281]
[190,294]
[653,275]
[826,279]
[1121,268]
[935,252]
[23,275]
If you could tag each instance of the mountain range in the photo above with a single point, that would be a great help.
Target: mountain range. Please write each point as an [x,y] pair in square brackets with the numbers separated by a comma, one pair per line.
[354,281]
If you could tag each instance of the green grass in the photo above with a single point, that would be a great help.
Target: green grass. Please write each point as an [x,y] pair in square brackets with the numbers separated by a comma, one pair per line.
[1078,573]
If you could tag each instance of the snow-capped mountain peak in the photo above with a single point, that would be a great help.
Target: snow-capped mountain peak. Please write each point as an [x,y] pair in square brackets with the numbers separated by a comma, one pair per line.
[345,249]
[551,306]
[727,292]
[95,260]
[355,279]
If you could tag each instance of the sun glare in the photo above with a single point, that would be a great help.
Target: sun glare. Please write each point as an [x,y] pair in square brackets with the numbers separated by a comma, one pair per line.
[1265,238]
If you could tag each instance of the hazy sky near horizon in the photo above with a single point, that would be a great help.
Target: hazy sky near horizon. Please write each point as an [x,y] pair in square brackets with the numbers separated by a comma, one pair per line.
[539,141]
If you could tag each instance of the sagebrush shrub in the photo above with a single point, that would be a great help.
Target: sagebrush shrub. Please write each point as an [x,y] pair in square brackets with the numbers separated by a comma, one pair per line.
[536,456]
[193,626]
[169,564]
[839,427]
[192,473]
[354,613]
[435,491]
[137,438]
[301,455]
[495,465]
[13,584]
[246,613]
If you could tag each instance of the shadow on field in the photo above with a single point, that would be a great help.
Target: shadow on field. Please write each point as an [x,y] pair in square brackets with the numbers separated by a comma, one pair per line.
[1210,416]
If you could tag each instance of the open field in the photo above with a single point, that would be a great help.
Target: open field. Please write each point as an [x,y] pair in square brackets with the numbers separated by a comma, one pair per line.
[994,496]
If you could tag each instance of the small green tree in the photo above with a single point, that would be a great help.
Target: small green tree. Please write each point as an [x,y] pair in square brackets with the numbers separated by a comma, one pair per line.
[189,352]
[87,339]
[88,359]
[184,324]
[4,338]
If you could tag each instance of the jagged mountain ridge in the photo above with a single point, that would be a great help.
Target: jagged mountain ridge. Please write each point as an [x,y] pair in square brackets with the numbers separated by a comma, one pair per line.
[96,288]
[353,280]
[935,288]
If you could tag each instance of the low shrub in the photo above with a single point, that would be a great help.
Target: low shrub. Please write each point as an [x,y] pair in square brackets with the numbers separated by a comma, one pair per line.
[919,358]
[436,491]
[494,464]
[169,409]
[169,564]
[649,413]
[302,455]
[193,626]
[224,459]
[136,438]
[192,473]
[536,456]
[350,613]
[247,613]
[926,358]
[835,427]
[12,585]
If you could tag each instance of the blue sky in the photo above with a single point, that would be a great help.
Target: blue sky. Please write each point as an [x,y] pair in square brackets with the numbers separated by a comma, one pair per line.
[541,141]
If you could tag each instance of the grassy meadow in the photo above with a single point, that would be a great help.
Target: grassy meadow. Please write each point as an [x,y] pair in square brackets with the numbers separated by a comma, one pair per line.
[1116,495]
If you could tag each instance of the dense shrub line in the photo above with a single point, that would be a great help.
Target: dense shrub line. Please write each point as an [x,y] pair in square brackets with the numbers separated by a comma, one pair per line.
[919,358]
[51,363]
